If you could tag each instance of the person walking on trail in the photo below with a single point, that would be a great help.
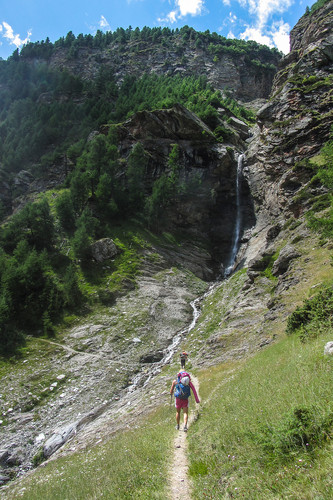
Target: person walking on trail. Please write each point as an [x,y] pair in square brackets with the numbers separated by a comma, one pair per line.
[183,358]
[181,388]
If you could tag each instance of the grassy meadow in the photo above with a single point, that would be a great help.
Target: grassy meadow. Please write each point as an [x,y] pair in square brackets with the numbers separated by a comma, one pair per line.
[131,464]
[265,427]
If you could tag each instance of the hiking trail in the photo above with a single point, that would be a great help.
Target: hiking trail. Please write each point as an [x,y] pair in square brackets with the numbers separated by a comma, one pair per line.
[180,483]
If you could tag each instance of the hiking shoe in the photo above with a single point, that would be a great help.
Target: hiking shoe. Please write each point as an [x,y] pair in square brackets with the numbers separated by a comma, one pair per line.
[185,428]
[177,427]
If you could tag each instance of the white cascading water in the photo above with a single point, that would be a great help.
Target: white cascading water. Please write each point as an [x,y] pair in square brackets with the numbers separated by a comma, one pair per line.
[169,351]
[238,223]
[143,378]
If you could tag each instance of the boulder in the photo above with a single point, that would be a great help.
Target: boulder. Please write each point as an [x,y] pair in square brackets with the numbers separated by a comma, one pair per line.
[273,232]
[152,357]
[328,350]
[240,126]
[104,249]
[287,254]
[15,458]
[260,262]
[58,439]
[3,478]
[4,455]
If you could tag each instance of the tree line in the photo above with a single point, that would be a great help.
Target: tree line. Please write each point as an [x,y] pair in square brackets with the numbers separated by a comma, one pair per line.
[157,36]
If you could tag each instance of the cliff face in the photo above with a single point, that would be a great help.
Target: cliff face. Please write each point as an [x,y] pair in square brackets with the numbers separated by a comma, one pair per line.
[208,169]
[293,125]
[245,78]
[316,29]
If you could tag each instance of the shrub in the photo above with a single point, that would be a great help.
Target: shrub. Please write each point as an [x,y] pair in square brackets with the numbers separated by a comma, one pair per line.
[316,309]
[38,458]
[302,427]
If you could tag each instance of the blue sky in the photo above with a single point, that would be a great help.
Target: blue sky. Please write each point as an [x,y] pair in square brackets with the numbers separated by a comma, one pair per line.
[266,21]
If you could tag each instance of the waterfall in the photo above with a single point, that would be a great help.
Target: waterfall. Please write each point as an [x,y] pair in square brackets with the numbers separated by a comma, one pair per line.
[238,223]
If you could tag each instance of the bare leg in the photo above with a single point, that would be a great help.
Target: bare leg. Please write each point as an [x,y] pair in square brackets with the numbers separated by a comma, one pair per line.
[178,416]
[185,410]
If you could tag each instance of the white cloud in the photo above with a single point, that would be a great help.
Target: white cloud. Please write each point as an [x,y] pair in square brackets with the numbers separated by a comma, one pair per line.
[227,3]
[182,9]
[232,18]
[256,35]
[14,39]
[276,35]
[172,16]
[103,23]
[280,35]
[242,3]
[193,7]
[263,9]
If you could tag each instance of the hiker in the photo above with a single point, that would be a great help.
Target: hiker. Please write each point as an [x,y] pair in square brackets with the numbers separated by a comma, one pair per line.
[183,358]
[181,387]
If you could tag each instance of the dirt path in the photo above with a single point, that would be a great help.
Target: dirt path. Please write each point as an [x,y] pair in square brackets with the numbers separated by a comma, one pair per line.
[180,483]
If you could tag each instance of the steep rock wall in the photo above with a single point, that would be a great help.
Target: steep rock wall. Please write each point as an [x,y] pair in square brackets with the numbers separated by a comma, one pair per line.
[207,211]
[245,79]
[292,126]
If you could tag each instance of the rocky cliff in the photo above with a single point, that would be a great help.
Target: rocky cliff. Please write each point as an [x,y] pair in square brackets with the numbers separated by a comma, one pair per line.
[207,210]
[292,125]
[245,76]
[282,258]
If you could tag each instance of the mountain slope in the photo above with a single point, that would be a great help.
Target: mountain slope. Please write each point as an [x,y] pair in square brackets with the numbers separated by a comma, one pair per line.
[242,325]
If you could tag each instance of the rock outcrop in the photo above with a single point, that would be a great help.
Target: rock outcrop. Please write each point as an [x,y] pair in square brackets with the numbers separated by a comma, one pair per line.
[104,249]
[207,210]
[245,78]
[292,126]
[281,265]
[328,350]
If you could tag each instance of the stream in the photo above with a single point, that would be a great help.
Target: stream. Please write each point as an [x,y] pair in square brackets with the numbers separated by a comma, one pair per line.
[118,405]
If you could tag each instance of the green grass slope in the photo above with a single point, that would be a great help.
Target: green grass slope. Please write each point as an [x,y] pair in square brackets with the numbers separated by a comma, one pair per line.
[264,427]
[131,464]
